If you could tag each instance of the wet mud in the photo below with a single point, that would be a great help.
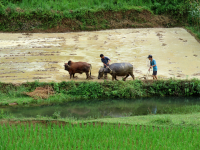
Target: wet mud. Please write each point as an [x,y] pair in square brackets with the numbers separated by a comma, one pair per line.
[41,56]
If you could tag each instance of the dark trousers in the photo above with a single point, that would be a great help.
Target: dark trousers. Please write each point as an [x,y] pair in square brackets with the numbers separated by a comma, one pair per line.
[105,73]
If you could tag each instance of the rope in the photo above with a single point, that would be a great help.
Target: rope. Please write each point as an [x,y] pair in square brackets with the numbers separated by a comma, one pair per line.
[110,69]
[147,75]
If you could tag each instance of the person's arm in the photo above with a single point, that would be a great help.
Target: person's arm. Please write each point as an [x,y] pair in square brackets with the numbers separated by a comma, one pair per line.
[108,60]
[154,63]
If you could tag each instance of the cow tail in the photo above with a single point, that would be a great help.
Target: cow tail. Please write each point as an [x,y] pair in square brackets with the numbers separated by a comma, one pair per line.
[90,69]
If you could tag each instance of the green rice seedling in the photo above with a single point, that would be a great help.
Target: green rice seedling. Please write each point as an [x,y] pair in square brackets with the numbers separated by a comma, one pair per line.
[129,137]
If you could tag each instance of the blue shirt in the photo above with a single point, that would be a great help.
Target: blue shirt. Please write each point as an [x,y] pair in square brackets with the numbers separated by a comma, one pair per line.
[105,60]
[153,62]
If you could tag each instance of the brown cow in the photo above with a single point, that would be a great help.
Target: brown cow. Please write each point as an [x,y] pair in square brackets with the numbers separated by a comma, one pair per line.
[78,67]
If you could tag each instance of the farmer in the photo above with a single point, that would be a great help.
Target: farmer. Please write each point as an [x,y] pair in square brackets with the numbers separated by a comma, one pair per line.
[106,61]
[153,64]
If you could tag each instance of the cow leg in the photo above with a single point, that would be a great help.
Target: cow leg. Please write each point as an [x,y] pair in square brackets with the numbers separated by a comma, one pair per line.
[73,75]
[132,75]
[87,75]
[116,78]
[113,77]
[124,79]
[70,75]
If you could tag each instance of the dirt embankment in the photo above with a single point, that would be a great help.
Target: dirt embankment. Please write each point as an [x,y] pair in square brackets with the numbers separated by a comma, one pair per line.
[89,22]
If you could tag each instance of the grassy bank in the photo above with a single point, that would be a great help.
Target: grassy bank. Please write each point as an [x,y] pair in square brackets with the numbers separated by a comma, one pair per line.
[65,16]
[173,120]
[28,93]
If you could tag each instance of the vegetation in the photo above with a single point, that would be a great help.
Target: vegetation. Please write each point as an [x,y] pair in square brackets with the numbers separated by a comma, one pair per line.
[72,91]
[77,15]
[194,18]
[96,136]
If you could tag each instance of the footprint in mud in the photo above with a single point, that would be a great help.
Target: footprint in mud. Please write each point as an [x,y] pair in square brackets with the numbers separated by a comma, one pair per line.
[182,40]
[91,78]
[138,71]
[195,55]
[164,44]
[171,62]
[27,34]
[196,74]
[158,34]
[136,32]
[76,38]
[180,75]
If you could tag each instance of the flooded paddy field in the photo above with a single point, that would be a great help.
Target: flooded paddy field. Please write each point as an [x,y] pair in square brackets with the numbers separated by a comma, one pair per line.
[41,56]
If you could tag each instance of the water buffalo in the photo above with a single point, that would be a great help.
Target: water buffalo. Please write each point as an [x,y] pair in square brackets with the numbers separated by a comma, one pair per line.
[78,67]
[117,69]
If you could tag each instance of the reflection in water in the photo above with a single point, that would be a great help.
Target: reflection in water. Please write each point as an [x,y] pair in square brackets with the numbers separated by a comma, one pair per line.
[112,108]
[154,110]
[79,111]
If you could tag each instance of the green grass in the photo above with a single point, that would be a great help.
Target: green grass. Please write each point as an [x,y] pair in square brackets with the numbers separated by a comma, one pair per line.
[106,136]
[194,30]
[44,14]
[73,91]
[173,120]
[67,6]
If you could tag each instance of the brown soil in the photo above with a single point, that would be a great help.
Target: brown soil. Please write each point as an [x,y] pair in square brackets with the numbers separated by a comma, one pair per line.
[63,123]
[105,20]
[41,92]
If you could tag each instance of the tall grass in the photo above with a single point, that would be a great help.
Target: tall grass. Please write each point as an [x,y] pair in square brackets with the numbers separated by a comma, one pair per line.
[194,18]
[66,8]
[66,5]
[96,136]
[49,13]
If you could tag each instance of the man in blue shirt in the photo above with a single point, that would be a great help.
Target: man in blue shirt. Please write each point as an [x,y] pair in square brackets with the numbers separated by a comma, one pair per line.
[106,61]
[153,64]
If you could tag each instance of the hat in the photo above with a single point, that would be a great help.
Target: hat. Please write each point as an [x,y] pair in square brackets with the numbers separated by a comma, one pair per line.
[150,56]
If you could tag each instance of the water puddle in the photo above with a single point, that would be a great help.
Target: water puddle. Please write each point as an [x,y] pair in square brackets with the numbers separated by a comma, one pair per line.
[112,108]
[41,56]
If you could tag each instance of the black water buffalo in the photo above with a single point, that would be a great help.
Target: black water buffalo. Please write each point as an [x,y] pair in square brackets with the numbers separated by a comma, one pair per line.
[78,67]
[117,69]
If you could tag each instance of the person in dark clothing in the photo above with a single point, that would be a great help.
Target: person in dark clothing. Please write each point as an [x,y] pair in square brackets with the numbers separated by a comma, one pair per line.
[106,61]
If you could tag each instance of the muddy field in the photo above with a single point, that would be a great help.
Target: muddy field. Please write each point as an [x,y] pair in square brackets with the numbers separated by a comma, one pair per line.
[29,57]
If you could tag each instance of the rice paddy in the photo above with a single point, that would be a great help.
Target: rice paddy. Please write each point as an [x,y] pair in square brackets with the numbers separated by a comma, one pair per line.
[42,56]
[96,136]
